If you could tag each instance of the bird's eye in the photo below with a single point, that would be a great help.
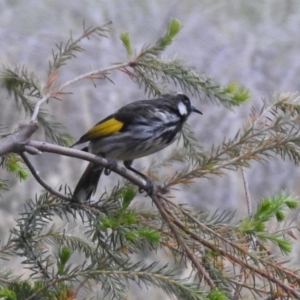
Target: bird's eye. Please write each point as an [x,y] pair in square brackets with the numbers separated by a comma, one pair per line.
[184,106]
[186,100]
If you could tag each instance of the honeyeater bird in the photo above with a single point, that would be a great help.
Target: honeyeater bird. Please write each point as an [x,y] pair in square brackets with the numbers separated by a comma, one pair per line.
[135,130]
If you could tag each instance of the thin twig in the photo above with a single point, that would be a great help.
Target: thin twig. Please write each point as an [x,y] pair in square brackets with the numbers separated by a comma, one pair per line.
[90,273]
[43,269]
[37,107]
[187,250]
[64,85]
[15,141]
[279,282]
[127,174]
[289,290]
[41,181]
[247,192]
[93,73]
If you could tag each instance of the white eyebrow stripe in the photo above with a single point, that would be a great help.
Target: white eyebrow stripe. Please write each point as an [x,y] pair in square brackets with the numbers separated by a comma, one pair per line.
[182,109]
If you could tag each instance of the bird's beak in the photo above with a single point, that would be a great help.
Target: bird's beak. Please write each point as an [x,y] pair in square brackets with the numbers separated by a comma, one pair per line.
[194,109]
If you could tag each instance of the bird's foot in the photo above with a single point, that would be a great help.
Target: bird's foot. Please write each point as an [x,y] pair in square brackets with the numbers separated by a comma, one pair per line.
[149,187]
[112,164]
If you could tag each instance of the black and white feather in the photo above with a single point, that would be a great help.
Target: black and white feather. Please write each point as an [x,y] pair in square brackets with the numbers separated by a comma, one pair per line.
[148,127]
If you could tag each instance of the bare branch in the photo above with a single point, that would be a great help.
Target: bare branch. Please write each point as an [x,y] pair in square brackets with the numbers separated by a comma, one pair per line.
[247,191]
[41,181]
[57,91]
[51,148]
[94,73]
[37,107]
[169,219]
[16,141]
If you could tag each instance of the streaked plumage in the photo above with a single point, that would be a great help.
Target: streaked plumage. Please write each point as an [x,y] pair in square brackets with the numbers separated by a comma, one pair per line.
[135,130]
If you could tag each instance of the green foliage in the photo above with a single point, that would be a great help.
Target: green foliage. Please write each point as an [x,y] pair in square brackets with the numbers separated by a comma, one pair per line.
[217,295]
[7,293]
[270,207]
[108,258]
[124,223]
[283,243]
[165,41]
[24,87]
[153,73]
[239,94]
[13,164]
[64,255]
[162,43]
[174,71]
[3,185]
[272,130]
[66,51]
[143,234]
[149,234]
[21,290]
[125,38]
[128,194]
[226,258]
[122,217]
[20,79]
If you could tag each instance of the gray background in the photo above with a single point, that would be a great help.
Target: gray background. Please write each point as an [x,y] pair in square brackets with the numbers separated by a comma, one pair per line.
[256,44]
[253,42]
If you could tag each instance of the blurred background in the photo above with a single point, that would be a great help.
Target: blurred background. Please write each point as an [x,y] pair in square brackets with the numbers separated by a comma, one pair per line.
[255,43]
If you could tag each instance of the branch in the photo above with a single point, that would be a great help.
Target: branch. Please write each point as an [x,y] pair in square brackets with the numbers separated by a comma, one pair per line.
[288,289]
[42,269]
[161,280]
[127,174]
[41,181]
[247,191]
[88,75]
[92,74]
[17,140]
[37,107]
[159,204]
[233,258]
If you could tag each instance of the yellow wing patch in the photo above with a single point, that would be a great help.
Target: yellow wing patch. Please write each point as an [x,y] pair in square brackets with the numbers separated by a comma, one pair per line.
[104,128]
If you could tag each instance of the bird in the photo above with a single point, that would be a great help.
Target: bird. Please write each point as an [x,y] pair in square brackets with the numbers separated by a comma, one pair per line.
[136,130]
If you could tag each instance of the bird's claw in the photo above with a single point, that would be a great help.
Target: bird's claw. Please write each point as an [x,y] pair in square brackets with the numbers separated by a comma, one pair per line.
[149,187]
[112,164]
[107,171]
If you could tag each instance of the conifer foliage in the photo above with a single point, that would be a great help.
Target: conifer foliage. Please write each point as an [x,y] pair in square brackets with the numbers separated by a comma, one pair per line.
[228,260]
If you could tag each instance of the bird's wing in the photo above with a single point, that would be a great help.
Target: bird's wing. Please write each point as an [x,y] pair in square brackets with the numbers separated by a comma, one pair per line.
[107,126]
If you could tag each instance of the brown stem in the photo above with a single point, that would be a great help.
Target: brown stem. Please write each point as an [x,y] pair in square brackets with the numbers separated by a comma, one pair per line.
[16,141]
[187,250]
[41,181]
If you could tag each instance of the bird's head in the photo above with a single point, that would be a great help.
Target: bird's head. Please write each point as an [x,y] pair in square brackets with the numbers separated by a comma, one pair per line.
[183,105]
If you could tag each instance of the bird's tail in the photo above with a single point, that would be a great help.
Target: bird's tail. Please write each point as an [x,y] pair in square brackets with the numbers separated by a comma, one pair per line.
[87,184]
